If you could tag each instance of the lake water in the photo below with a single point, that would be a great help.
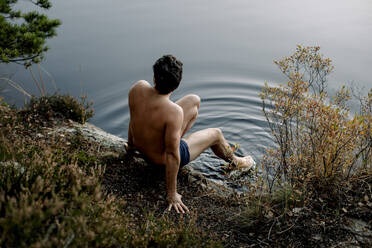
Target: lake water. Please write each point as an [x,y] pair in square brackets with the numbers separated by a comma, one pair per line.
[227,48]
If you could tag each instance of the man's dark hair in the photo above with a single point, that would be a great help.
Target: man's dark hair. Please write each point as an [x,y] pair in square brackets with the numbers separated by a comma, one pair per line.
[167,74]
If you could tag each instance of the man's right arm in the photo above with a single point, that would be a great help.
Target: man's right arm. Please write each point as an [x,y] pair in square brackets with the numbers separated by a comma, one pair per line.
[172,160]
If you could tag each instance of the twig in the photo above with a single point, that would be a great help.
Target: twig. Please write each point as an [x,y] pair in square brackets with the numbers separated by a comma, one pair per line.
[50,77]
[16,86]
[35,81]
[286,230]
[41,79]
[262,242]
[268,235]
[24,59]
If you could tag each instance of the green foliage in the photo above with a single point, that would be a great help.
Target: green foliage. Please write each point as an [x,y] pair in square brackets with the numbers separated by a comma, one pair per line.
[23,35]
[60,106]
[2,103]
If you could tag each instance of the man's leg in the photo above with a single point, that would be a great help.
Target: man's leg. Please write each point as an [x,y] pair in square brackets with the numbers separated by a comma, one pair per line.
[213,138]
[190,105]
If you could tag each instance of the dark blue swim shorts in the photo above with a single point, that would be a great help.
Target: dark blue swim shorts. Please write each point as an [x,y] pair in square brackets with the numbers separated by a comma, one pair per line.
[184,153]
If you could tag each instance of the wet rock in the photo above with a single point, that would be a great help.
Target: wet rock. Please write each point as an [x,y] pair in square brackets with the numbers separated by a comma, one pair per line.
[207,184]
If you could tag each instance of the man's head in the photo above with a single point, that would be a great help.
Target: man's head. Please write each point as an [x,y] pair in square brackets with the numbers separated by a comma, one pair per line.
[167,74]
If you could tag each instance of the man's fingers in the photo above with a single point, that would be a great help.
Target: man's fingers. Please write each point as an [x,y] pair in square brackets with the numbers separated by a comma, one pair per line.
[176,207]
[180,207]
[184,206]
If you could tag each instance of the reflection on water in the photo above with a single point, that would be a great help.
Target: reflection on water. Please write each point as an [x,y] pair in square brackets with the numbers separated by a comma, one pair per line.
[227,48]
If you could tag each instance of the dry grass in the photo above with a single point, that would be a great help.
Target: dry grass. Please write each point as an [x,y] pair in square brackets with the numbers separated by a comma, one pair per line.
[51,195]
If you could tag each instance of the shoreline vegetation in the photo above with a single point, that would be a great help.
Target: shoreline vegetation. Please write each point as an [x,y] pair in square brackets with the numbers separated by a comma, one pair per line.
[53,193]
[64,190]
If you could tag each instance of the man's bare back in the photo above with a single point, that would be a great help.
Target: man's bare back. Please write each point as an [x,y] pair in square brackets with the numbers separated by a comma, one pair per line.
[151,114]
[157,126]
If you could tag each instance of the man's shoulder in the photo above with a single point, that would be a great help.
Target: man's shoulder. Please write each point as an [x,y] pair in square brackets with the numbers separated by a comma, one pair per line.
[174,111]
[140,84]
[175,108]
[138,88]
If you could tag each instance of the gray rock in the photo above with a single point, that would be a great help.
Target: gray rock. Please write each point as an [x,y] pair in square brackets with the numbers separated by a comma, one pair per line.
[96,134]
[361,230]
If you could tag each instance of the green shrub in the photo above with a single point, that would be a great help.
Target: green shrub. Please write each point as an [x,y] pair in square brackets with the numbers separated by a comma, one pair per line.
[60,106]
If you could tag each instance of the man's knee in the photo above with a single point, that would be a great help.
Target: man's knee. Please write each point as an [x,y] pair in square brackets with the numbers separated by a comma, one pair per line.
[195,100]
[217,133]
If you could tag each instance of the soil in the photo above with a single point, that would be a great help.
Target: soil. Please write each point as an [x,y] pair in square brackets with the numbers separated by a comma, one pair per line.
[142,186]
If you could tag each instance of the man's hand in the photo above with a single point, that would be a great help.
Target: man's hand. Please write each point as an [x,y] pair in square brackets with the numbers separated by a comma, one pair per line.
[175,202]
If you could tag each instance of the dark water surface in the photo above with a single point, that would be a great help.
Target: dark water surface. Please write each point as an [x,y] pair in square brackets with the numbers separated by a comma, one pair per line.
[227,48]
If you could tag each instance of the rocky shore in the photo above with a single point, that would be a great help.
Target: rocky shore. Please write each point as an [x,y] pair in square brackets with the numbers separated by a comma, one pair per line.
[218,207]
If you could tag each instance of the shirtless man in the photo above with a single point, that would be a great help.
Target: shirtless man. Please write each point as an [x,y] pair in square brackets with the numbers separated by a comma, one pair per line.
[157,127]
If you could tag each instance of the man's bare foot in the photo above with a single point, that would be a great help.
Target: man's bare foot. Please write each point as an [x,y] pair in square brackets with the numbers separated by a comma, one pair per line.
[244,162]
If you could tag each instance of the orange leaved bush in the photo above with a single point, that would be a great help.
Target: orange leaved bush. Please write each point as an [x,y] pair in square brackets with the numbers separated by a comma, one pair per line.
[318,140]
